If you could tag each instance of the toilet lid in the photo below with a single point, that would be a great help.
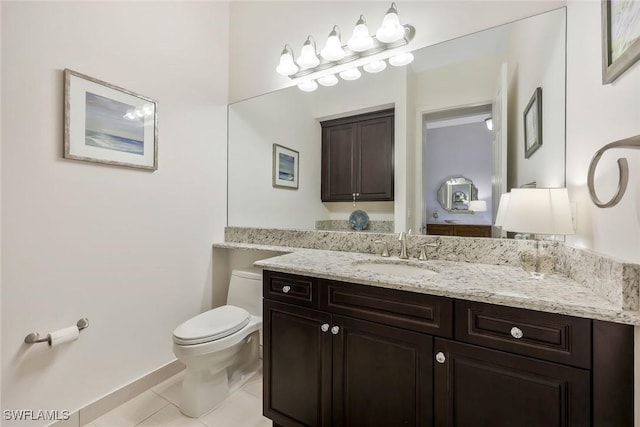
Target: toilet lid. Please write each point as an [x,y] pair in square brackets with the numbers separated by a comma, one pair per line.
[211,325]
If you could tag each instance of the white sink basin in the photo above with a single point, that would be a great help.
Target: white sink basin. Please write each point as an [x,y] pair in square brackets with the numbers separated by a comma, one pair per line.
[408,269]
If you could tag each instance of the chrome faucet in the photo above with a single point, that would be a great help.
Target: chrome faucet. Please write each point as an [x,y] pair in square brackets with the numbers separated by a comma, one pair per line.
[402,237]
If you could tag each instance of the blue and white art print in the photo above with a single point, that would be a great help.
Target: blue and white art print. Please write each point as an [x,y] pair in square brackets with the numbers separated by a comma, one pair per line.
[285,167]
[108,124]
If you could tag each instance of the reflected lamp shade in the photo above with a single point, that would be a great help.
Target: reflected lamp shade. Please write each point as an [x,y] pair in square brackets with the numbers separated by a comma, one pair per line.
[478,205]
[538,211]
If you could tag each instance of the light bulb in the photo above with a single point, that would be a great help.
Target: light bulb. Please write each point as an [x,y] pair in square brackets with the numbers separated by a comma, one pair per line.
[286,66]
[330,80]
[401,59]
[308,86]
[308,57]
[360,40]
[375,66]
[390,31]
[333,48]
[351,74]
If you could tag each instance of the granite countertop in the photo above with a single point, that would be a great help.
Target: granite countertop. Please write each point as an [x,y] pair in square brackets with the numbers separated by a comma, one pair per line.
[495,284]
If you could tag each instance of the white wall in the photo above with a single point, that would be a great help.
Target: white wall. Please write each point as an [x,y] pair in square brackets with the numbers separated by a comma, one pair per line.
[462,150]
[596,115]
[536,58]
[435,21]
[128,249]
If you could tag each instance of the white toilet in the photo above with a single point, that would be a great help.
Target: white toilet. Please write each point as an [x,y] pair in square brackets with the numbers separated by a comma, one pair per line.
[221,347]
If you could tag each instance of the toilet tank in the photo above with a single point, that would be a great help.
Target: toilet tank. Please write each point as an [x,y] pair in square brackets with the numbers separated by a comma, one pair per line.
[245,290]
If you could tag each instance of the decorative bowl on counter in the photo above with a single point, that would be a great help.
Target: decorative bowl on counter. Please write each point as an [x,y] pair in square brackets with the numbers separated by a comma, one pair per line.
[358,220]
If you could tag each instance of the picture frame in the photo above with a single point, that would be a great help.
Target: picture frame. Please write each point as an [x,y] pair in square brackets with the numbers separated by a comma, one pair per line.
[285,167]
[620,37]
[107,124]
[533,123]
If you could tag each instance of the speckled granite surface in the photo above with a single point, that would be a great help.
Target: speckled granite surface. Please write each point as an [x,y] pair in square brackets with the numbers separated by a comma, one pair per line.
[345,225]
[487,251]
[494,284]
[583,284]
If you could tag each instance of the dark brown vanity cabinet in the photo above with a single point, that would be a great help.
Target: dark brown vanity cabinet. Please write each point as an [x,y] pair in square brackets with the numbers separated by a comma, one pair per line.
[357,158]
[341,354]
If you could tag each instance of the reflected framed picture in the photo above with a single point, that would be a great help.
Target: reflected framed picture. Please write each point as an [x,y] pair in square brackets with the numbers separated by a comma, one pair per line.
[285,167]
[533,124]
[107,124]
[620,37]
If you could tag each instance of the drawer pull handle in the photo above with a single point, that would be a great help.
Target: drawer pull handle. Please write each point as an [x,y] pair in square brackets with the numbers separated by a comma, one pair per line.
[440,357]
[324,327]
[335,330]
[516,333]
[286,289]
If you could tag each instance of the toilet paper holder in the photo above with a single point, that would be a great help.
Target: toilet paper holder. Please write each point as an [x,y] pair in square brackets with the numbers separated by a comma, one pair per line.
[34,337]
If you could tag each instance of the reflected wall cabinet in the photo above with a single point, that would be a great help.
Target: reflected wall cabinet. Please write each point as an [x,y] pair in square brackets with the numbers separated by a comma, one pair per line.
[357,157]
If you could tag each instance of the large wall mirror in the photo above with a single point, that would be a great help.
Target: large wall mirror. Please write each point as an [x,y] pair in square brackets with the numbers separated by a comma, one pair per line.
[452,86]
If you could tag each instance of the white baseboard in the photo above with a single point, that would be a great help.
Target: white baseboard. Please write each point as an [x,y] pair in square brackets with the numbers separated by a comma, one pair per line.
[105,404]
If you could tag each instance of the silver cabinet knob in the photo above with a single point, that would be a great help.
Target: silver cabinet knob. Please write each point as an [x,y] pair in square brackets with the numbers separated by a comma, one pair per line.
[516,332]
[286,289]
[324,327]
[440,358]
[335,330]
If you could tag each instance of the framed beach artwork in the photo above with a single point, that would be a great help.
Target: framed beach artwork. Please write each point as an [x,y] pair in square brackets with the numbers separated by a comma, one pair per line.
[107,124]
[285,167]
[533,123]
[620,37]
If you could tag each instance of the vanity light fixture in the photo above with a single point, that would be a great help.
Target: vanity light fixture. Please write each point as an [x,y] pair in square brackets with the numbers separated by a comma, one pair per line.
[322,68]
[404,58]
[286,66]
[308,86]
[360,40]
[328,80]
[333,50]
[375,66]
[351,74]
[390,31]
[308,57]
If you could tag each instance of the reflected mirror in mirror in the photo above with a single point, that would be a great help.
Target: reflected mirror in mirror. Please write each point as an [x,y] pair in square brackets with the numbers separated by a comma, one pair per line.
[455,194]
[495,70]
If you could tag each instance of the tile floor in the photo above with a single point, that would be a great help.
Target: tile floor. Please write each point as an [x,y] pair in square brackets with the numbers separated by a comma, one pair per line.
[158,407]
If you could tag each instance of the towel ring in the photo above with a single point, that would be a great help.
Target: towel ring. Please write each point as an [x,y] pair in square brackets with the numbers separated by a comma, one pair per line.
[623,170]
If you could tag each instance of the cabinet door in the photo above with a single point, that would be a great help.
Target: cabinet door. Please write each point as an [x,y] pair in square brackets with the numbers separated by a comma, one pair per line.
[477,387]
[338,162]
[375,159]
[297,366]
[382,376]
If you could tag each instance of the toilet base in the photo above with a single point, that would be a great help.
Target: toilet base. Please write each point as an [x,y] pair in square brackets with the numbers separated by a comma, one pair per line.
[204,390]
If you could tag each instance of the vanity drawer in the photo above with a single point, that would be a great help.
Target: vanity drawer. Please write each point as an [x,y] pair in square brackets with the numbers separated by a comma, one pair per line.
[291,288]
[409,310]
[548,336]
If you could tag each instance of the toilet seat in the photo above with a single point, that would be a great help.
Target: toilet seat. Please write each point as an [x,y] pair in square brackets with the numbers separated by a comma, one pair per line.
[211,325]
